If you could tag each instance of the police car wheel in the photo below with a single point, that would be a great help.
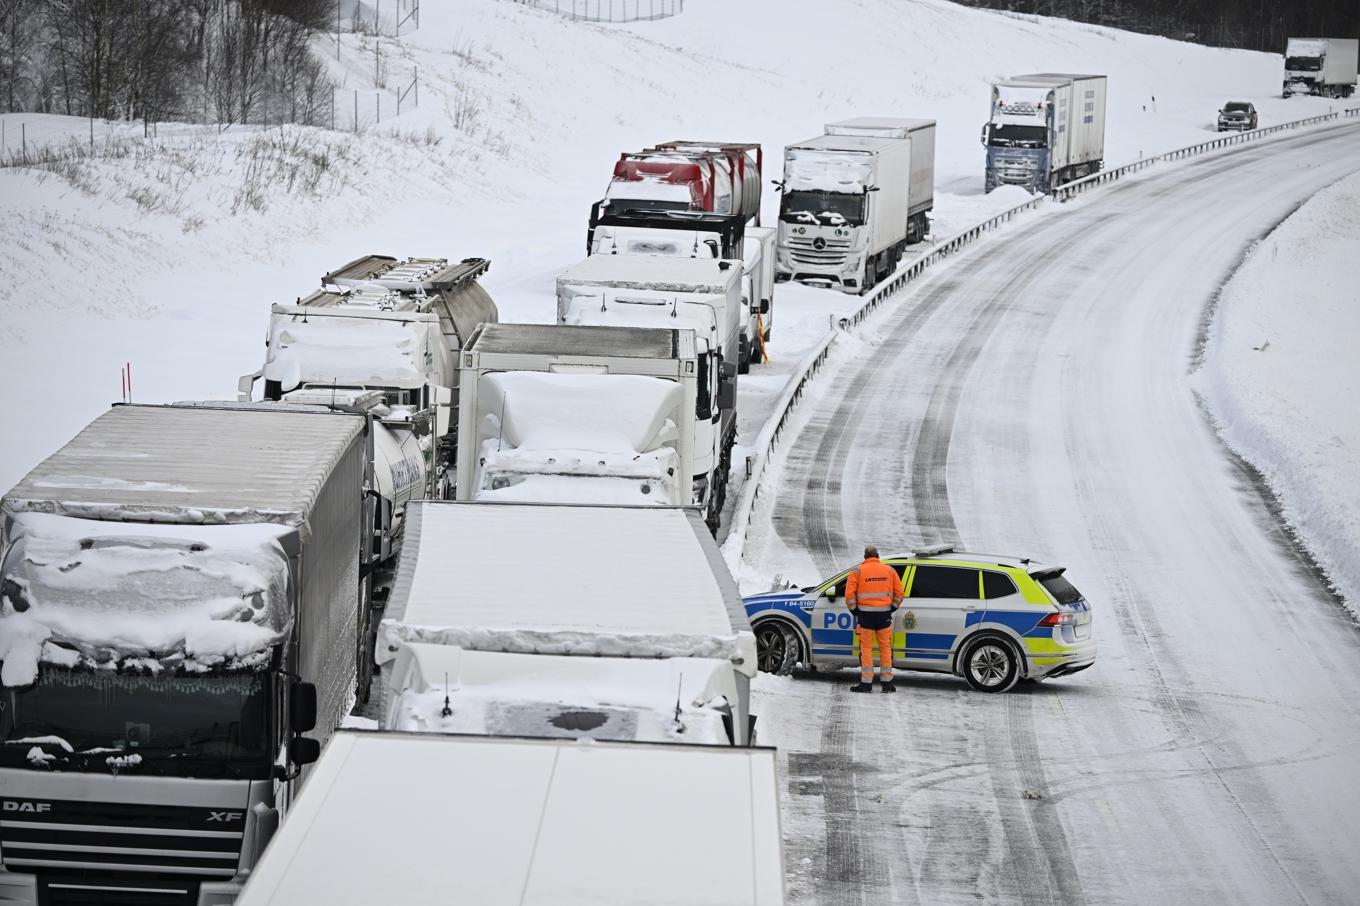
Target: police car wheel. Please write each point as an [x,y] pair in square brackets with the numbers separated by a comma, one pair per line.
[990,665]
[776,648]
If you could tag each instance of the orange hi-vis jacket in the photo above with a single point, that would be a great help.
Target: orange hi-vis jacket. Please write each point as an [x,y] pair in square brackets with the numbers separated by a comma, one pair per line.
[873,587]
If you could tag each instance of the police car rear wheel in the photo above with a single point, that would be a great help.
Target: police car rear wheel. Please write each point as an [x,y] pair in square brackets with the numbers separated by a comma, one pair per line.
[990,665]
[776,648]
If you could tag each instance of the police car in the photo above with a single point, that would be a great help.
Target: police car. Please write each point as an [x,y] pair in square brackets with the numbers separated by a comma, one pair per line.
[992,620]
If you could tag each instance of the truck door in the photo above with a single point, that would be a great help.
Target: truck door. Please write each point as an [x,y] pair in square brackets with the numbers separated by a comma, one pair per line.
[933,615]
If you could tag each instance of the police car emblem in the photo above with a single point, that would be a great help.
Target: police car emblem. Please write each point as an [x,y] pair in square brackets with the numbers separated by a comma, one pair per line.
[909,621]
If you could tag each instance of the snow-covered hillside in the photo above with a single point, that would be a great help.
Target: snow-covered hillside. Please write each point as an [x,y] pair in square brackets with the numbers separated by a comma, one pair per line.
[166,253]
[1281,377]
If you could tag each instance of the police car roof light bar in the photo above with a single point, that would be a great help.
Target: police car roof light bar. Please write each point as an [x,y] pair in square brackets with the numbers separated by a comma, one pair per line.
[932,550]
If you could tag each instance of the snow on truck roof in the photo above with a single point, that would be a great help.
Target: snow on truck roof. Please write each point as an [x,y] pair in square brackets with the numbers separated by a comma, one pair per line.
[658,272]
[617,581]
[531,822]
[881,126]
[554,339]
[196,464]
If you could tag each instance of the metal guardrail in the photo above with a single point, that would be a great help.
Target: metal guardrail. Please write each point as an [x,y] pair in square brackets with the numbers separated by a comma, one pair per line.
[768,439]
[1077,186]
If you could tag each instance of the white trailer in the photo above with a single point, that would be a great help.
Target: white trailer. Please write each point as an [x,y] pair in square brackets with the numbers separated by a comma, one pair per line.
[1045,129]
[626,582]
[528,822]
[182,599]
[854,199]
[446,689]
[701,294]
[579,415]
[1323,66]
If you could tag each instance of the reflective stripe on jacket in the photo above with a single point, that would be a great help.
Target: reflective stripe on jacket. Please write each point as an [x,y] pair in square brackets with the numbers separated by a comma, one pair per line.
[873,587]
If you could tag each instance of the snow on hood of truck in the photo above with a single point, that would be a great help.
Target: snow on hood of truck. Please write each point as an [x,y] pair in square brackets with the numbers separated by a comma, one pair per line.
[592,305]
[323,347]
[501,694]
[85,593]
[587,580]
[1305,47]
[611,413]
[191,464]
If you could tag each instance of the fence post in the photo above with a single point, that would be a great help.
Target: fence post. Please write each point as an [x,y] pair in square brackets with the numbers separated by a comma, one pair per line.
[356,110]
[379,99]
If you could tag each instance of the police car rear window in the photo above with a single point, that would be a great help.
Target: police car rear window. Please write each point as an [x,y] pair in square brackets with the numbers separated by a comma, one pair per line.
[997,585]
[1062,590]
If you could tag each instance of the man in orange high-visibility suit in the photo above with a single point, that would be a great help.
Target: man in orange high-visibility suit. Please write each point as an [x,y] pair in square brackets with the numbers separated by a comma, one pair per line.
[873,592]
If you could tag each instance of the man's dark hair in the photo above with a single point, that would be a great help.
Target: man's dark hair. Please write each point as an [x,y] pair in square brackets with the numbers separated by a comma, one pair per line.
[870,551]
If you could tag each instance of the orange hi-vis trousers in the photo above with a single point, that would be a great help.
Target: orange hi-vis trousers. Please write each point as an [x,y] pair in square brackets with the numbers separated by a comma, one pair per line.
[867,639]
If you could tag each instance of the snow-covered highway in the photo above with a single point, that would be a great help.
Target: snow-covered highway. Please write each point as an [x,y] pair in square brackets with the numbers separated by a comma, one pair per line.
[1034,397]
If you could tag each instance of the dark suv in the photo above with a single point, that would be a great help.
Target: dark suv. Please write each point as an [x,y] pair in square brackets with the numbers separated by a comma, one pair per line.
[1237,115]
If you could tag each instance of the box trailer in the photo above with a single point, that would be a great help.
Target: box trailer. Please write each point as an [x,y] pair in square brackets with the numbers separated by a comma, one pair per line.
[591,563]
[182,600]
[527,822]
[1322,66]
[853,199]
[1045,129]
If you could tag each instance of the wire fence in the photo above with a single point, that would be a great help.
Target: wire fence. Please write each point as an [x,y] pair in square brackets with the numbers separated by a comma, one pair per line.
[353,109]
[609,10]
[386,18]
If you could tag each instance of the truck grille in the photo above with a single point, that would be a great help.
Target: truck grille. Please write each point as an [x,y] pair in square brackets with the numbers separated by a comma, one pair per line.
[832,254]
[97,852]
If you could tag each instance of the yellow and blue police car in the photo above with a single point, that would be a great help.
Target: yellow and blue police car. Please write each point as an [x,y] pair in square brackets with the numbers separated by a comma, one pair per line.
[992,620]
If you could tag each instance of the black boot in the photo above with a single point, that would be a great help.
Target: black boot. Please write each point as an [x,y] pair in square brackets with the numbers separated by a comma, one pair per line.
[862,687]
[888,686]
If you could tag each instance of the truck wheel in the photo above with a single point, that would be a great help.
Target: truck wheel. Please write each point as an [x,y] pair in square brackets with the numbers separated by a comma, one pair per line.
[989,664]
[776,648]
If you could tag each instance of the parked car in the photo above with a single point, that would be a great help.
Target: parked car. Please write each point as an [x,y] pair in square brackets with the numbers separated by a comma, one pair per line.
[1237,115]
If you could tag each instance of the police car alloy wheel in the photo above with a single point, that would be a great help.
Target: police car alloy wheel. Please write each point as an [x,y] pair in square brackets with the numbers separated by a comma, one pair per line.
[990,665]
[776,648]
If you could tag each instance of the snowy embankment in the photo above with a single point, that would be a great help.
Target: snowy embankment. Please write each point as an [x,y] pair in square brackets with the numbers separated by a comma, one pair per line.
[1281,379]
[166,252]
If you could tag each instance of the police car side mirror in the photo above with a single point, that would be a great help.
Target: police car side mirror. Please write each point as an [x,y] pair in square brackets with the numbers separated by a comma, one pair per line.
[831,593]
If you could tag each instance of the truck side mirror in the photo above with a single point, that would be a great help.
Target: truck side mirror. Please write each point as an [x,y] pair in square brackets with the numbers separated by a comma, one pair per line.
[764,306]
[303,750]
[443,399]
[245,385]
[727,395]
[302,707]
[983,137]
[729,369]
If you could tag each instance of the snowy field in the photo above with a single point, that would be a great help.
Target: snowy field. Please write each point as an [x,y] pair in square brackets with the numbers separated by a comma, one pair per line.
[1282,375]
[166,253]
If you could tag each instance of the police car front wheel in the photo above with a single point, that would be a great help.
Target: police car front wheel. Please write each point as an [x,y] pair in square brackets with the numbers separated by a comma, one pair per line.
[776,648]
[990,664]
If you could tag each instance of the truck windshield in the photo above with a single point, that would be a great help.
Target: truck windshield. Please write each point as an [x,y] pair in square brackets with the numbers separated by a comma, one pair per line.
[1303,64]
[184,726]
[1012,136]
[830,208]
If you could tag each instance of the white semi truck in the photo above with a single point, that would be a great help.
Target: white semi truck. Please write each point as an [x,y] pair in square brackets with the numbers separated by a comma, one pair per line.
[528,822]
[1323,66]
[686,234]
[582,415]
[383,335]
[1045,129]
[853,199]
[591,582]
[181,601]
[699,294]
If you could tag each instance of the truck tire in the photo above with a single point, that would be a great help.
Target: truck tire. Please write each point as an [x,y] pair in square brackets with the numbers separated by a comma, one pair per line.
[990,664]
[776,648]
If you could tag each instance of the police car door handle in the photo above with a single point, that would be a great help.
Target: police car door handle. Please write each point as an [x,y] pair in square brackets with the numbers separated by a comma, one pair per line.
[970,607]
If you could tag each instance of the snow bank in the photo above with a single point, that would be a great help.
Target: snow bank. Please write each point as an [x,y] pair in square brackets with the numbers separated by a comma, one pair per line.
[77,592]
[1280,374]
